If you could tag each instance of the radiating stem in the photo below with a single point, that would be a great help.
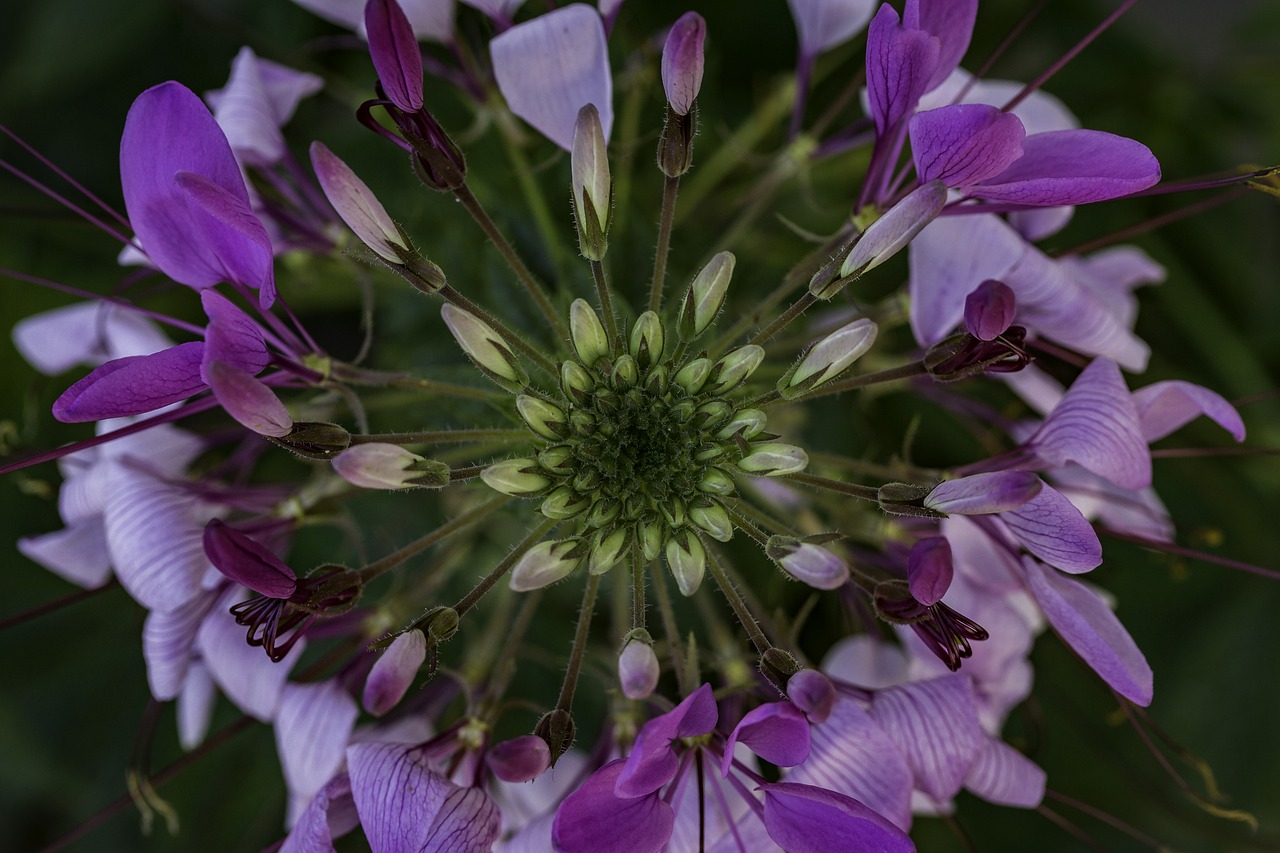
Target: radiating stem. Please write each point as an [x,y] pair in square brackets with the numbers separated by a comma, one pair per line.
[470,600]
[797,308]
[56,604]
[570,684]
[667,219]
[893,374]
[670,628]
[638,604]
[606,304]
[740,610]
[866,493]
[416,547]
[447,436]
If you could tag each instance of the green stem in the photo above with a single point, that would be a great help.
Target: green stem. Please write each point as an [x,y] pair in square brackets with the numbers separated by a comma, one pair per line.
[893,374]
[416,547]
[570,684]
[606,305]
[854,490]
[638,604]
[669,189]
[670,628]
[740,610]
[784,319]
[400,380]
[447,436]
[470,600]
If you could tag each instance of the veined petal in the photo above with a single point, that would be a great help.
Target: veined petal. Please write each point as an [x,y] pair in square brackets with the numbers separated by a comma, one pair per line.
[824,24]
[951,21]
[405,807]
[1165,406]
[1072,167]
[595,819]
[331,813]
[395,53]
[259,98]
[900,64]
[979,494]
[806,819]
[133,385]
[935,724]
[776,731]
[1096,425]
[312,727]
[964,144]
[551,67]
[168,645]
[195,705]
[231,337]
[929,570]
[1086,624]
[77,553]
[1004,776]
[1051,527]
[251,403]
[393,672]
[233,231]
[653,763]
[246,562]
[500,10]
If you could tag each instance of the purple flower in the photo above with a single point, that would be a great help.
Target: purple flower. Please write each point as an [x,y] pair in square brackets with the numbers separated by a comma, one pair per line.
[260,97]
[395,53]
[824,24]
[682,61]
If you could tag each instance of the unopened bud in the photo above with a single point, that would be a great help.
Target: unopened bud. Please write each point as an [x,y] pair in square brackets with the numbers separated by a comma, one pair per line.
[576,382]
[745,422]
[441,624]
[682,61]
[813,693]
[248,400]
[929,569]
[589,339]
[693,375]
[651,538]
[376,465]
[716,482]
[546,419]
[564,502]
[778,666]
[592,186]
[393,672]
[521,759]
[989,310]
[675,142]
[687,561]
[774,459]
[906,499]
[828,358]
[638,668]
[394,50]
[734,368]
[314,440]
[358,206]
[519,477]
[626,372]
[705,296]
[608,550]
[546,563]
[485,348]
[558,730]
[647,339]
[714,520]
[808,563]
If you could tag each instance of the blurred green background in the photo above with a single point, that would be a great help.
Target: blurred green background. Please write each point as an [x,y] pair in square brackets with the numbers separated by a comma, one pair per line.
[1199,89]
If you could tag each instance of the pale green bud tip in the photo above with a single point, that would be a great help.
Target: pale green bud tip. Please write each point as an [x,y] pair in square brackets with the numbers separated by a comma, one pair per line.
[687,561]
[888,234]
[484,347]
[638,670]
[589,163]
[831,356]
[358,206]
[748,422]
[714,520]
[706,295]
[546,419]
[515,477]
[694,375]
[607,551]
[647,339]
[545,563]
[388,466]
[774,460]
[735,367]
[589,339]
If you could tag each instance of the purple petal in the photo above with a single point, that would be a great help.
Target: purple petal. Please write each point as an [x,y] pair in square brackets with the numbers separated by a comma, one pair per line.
[249,678]
[867,662]
[395,53]
[232,336]
[253,405]
[963,144]
[900,63]
[1004,776]
[169,131]
[551,67]
[935,723]
[1165,406]
[653,762]
[133,385]
[77,553]
[394,672]
[823,24]
[776,731]
[1086,624]
[899,226]
[1096,425]
[500,10]
[1073,167]
[312,727]
[929,570]
[981,494]
[805,819]
[949,259]
[1051,527]
[431,19]
[520,759]
[357,205]
[331,813]
[989,310]
[951,21]
[85,333]
[404,807]
[682,61]
[852,755]
[595,819]
[259,98]
[233,231]
[246,562]
[812,692]
[168,645]
[154,534]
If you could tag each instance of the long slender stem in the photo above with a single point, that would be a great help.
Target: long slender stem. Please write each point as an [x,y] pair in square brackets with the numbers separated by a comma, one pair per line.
[893,374]
[665,223]
[638,604]
[670,628]
[784,319]
[534,197]
[470,600]
[513,259]
[416,547]
[56,604]
[447,436]
[570,684]
[740,610]
[855,490]
[606,303]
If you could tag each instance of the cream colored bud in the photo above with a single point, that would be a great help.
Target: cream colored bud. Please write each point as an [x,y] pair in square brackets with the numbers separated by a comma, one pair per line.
[705,296]
[774,460]
[485,348]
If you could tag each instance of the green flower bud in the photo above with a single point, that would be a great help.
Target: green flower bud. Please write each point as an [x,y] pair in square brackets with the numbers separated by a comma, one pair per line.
[705,296]
[716,482]
[626,372]
[314,439]
[556,458]
[747,422]
[828,358]
[651,538]
[592,186]
[389,466]
[694,375]
[546,563]
[774,459]
[734,368]
[603,512]
[606,551]
[713,519]
[485,348]
[647,337]
[546,419]
[564,502]
[516,477]
[687,561]
[589,339]
[576,383]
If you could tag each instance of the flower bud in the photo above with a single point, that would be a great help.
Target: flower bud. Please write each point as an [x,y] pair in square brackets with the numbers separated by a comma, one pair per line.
[734,368]
[314,440]
[638,668]
[516,477]
[626,372]
[564,502]
[885,237]
[576,382]
[714,520]
[521,759]
[716,482]
[651,538]
[246,562]
[603,512]
[558,730]
[546,419]
[808,563]
[441,624]
[394,50]
[682,61]
[675,141]
[647,338]
[705,296]
[747,422]
[546,563]
[906,499]
[589,339]
[989,310]
[774,460]
[248,400]
[389,466]
[358,206]
[929,569]
[687,561]
[693,375]
[592,186]
[485,348]
[393,672]
[556,458]
[813,693]
[778,666]
[828,358]
[606,551]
